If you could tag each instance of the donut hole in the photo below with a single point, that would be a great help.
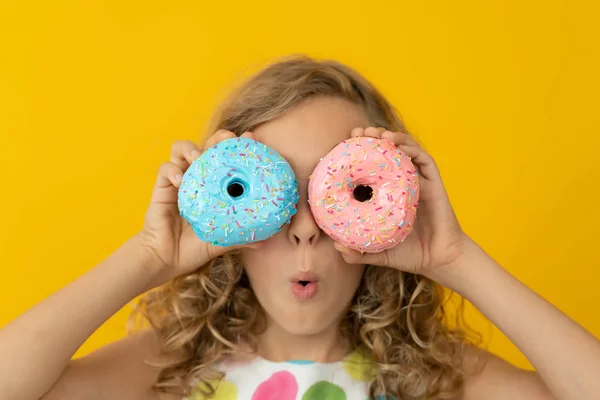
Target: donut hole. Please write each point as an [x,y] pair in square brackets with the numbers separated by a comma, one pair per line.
[363,193]
[236,189]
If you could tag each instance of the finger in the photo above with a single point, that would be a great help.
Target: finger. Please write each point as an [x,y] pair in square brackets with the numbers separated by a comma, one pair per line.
[219,136]
[399,138]
[355,257]
[216,251]
[357,132]
[169,174]
[248,135]
[253,245]
[411,151]
[423,161]
[374,132]
[183,153]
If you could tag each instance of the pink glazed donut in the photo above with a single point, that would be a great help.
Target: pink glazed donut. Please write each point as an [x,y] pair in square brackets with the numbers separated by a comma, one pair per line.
[364,194]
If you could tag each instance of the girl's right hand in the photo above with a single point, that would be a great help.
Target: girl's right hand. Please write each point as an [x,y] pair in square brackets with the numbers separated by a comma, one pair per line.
[166,235]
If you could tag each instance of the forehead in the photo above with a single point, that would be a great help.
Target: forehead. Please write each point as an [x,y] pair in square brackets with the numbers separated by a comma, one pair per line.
[308,131]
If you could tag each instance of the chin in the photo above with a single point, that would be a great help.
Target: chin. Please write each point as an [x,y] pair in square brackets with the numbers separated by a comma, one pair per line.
[304,329]
[305,323]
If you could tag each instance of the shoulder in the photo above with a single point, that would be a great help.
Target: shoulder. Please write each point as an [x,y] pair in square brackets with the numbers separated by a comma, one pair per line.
[490,377]
[120,370]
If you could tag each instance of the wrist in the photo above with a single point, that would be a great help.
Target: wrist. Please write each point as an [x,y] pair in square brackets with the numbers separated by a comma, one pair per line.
[462,272]
[146,264]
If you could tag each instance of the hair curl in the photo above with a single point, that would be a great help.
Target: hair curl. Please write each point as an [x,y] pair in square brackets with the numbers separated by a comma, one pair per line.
[397,318]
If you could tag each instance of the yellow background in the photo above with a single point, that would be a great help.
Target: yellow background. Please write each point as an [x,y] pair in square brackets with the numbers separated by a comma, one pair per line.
[503,94]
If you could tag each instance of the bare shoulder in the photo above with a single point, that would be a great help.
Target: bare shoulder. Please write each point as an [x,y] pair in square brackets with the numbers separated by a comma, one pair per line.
[116,371]
[493,378]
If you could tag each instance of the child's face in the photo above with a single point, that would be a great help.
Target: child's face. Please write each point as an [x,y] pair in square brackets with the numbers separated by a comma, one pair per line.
[303,136]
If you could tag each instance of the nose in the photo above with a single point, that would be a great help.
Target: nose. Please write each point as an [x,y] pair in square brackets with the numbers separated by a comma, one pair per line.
[303,229]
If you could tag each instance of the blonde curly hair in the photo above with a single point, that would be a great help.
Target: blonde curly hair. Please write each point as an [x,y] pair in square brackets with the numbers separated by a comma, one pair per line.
[398,319]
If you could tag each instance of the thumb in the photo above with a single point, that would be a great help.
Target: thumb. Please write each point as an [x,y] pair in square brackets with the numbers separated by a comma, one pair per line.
[252,245]
[214,251]
[355,257]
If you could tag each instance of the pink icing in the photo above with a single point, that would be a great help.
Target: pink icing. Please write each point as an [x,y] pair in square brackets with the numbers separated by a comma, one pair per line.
[388,216]
[281,385]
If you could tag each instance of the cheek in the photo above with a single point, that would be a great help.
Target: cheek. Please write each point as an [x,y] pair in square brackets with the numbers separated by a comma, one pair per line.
[349,277]
[271,252]
[262,266]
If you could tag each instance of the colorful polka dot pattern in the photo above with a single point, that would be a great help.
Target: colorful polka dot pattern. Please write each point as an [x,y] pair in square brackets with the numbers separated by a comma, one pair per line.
[280,386]
[223,391]
[301,362]
[358,366]
[297,380]
[324,390]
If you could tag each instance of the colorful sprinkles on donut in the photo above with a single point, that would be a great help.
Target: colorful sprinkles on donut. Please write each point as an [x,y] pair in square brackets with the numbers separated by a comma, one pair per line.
[238,191]
[364,194]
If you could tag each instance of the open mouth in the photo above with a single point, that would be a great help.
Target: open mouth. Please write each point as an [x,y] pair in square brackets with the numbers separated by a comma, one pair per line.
[304,290]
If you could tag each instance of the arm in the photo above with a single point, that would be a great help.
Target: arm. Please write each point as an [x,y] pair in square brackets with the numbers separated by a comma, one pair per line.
[117,371]
[566,357]
[37,347]
[499,380]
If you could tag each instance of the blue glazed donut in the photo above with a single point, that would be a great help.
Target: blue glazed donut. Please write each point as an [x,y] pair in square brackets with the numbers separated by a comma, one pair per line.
[238,191]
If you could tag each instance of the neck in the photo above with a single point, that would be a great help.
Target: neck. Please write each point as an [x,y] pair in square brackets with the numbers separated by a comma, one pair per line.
[275,344]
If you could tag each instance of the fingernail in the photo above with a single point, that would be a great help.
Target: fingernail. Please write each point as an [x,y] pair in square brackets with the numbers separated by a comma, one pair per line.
[178,177]
[195,153]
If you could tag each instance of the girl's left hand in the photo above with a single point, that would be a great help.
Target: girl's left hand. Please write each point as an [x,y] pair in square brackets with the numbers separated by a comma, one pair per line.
[437,241]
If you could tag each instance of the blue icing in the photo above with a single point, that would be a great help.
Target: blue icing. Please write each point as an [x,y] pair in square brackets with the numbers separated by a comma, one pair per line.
[301,362]
[238,191]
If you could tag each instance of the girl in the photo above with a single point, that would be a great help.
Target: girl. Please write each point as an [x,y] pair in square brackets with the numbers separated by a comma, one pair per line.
[224,322]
